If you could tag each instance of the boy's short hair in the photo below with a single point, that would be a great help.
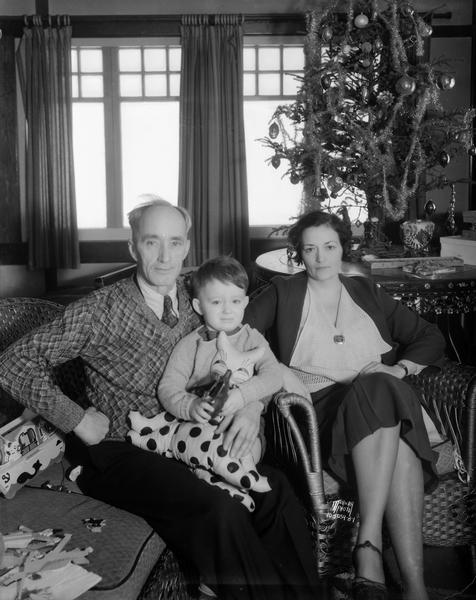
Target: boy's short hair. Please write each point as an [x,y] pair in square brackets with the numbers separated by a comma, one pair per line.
[222,268]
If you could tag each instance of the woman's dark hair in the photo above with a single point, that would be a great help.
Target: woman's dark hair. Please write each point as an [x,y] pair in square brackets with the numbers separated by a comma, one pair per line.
[315,219]
[223,268]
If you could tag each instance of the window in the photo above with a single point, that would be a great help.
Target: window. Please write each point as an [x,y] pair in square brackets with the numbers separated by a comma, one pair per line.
[125,128]
[270,77]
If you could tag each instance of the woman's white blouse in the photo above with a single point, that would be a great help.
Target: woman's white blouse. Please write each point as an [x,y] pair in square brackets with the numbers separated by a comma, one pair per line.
[317,359]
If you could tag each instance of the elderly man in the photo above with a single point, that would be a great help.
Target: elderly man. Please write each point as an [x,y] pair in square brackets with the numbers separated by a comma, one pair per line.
[124,334]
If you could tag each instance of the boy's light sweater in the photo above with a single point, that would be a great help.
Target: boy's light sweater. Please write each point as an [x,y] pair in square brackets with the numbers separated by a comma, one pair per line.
[189,366]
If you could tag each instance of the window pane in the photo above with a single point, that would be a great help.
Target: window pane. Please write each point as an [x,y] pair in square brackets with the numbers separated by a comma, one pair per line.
[269,84]
[269,59]
[91,60]
[155,59]
[293,59]
[74,61]
[249,84]
[174,82]
[91,86]
[175,59]
[156,85]
[74,86]
[291,84]
[272,200]
[130,59]
[150,154]
[130,85]
[249,59]
[89,164]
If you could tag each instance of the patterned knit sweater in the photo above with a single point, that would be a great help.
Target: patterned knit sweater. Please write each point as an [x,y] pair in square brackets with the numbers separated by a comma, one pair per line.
[122,343]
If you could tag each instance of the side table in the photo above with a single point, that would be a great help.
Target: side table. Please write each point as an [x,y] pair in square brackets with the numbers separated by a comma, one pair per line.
[448,300]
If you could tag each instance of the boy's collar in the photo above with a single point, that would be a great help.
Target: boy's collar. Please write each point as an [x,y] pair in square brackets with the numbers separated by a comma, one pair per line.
[211,334]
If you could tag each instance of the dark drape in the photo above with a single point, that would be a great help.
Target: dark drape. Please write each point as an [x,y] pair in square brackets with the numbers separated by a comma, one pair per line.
[212,174]
[44,65]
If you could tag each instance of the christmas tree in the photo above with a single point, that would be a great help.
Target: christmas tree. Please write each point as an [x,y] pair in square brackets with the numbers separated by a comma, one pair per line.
[367,129]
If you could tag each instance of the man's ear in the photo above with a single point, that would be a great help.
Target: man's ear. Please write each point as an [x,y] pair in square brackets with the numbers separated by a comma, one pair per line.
[196,306]
[132,250]
[187,248]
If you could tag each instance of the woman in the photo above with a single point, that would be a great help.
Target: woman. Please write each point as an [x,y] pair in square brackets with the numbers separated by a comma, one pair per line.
[352,344]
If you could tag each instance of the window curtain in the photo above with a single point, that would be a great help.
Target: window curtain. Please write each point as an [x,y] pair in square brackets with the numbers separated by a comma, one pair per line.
[44,66]
[212,168]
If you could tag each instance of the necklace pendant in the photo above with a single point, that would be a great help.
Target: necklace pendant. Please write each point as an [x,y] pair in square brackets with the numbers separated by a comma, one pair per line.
[339,339]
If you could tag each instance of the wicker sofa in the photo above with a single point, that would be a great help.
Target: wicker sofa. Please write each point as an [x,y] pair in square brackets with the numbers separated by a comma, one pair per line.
[131,558]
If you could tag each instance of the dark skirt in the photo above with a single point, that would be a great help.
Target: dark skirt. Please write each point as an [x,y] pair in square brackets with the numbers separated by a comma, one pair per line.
[347,413]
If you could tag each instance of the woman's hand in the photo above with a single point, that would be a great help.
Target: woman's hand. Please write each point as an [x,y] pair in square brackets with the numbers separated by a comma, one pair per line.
[234,402]
[378,367]
[241,429]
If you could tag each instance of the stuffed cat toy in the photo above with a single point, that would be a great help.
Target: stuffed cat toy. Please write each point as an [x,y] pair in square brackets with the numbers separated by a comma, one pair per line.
[198,444]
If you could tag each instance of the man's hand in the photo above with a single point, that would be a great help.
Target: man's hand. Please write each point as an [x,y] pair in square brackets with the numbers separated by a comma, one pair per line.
[200,410]
[234,403]
[93,427]
[241,429]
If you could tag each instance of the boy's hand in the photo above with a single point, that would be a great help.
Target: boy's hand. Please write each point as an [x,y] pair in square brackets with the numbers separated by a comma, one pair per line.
[200,410]
[233,403]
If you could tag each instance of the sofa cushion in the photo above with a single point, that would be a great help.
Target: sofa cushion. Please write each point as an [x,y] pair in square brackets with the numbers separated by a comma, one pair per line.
[125,550]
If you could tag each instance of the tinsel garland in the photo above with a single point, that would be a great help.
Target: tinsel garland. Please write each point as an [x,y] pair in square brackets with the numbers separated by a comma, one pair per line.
[368,117]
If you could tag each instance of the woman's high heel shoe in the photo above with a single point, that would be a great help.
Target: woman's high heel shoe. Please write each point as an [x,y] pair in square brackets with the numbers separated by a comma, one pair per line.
[363,588]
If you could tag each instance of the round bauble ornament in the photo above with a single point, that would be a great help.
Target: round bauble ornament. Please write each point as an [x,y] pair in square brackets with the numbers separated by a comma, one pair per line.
[444,158]
[446,81]
[472,150]
[294,178]
[327,34]
[273,130]
[406,10]
[405,85]
[326,82]
[425,29]
[323,193]
[275,161]
[366,47]
[361,21]
[365,62]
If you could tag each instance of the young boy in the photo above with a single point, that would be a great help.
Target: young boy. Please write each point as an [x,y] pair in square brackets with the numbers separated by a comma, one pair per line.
[220,295]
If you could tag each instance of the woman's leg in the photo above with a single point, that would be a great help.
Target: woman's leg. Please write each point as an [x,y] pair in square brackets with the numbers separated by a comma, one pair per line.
[374,460]
[404,514]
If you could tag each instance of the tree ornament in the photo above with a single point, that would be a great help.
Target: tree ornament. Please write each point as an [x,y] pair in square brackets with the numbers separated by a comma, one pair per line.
[327,34]
[425,29]
[273,130]
[346,49]
[446,81]
[366,47]
[444,158]
[294,178]
[323,193]
[378,45]
[407,10]
[365,62]
[405,85]
[275,161]
[364,93]
[472,150]
[361,21]
[326,82]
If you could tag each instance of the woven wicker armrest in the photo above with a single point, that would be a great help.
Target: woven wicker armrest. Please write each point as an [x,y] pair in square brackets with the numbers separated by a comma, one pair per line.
[451,395]
[297,445]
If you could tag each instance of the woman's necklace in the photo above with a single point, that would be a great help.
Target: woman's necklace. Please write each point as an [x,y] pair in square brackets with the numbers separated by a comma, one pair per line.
[338,338]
